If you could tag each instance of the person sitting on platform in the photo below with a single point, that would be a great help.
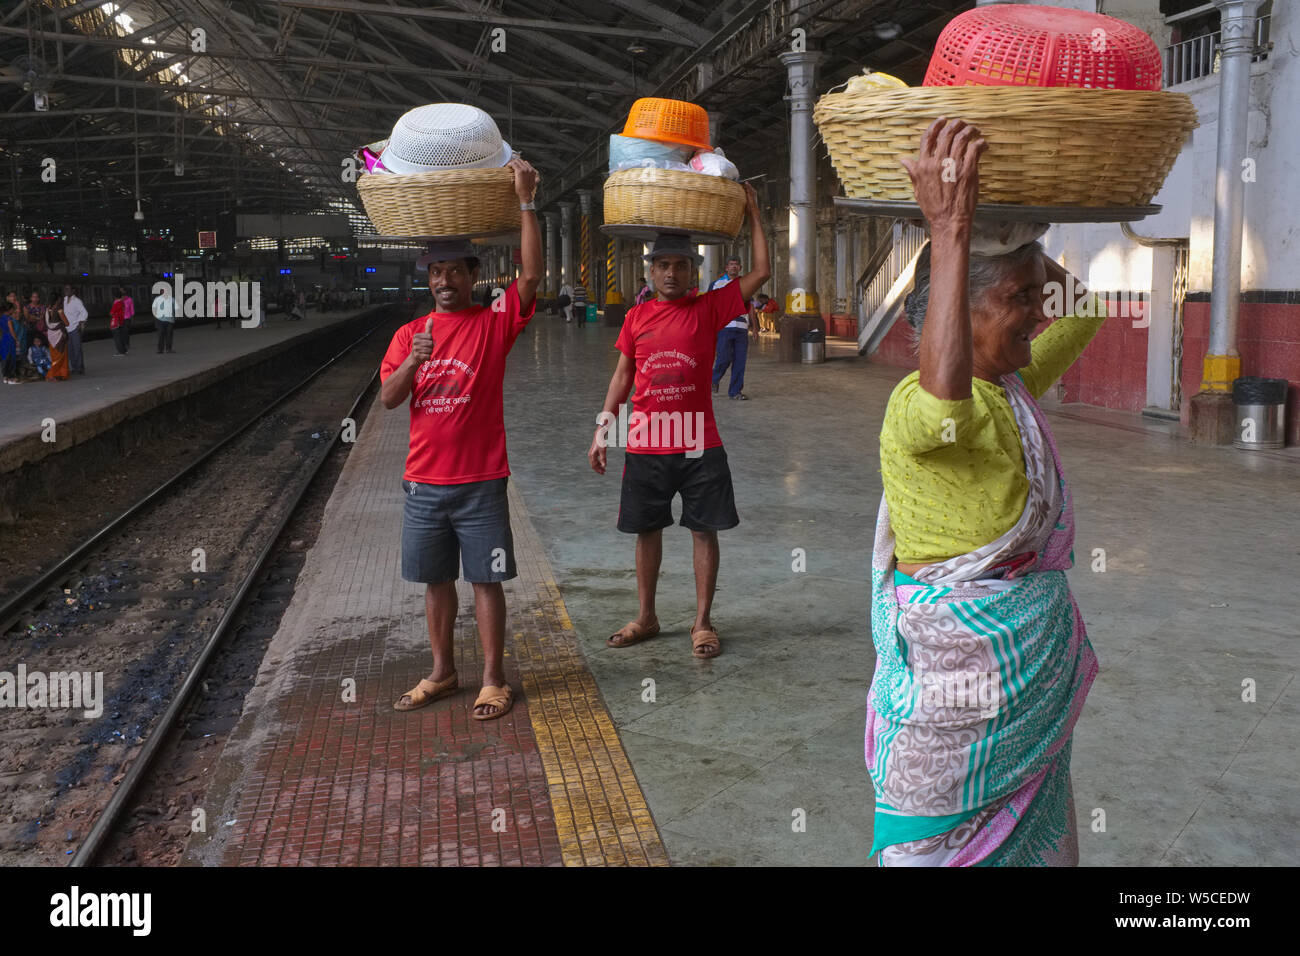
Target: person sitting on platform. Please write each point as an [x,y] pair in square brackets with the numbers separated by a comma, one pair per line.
[668,348]
[450,365]
[39,356]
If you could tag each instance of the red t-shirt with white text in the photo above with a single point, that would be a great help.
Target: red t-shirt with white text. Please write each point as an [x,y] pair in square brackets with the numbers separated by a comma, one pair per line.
[672,344]
[458,431]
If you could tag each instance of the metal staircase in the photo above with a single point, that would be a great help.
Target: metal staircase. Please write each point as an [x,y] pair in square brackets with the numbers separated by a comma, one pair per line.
[884,283]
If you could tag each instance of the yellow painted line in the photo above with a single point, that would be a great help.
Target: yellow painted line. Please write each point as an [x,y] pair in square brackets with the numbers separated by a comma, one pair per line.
[601,815]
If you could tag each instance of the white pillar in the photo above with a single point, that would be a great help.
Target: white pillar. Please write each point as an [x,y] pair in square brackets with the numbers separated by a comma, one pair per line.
[566,244]
[802,68]
[552,283]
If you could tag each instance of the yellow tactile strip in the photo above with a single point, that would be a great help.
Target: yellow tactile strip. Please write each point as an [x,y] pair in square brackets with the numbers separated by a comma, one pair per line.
[600,813]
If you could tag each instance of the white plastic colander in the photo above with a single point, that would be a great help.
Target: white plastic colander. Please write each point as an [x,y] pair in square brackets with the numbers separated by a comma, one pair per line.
[444,136]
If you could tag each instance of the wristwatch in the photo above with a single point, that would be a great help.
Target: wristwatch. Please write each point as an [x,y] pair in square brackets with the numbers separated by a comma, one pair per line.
[525,206]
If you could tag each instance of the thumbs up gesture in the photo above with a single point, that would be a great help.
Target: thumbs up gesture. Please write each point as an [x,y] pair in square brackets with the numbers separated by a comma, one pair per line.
[422,344]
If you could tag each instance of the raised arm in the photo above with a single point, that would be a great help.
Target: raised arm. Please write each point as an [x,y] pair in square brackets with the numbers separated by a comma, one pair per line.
[945,178]
[530,233]
[762,271]
[1061,343]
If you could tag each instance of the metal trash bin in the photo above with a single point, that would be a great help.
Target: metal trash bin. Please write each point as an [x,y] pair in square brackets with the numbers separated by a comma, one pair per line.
[813,346]
[1261,412]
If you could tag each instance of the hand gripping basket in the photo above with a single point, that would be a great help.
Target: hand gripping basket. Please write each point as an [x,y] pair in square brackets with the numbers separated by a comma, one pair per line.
[1046,147]
[674,201]
[452,202]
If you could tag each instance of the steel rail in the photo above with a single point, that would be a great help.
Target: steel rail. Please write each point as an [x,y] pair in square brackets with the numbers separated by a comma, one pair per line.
[13,607]
[108,817]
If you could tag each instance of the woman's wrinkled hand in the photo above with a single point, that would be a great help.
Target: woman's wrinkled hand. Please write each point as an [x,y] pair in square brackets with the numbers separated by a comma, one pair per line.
[945,174]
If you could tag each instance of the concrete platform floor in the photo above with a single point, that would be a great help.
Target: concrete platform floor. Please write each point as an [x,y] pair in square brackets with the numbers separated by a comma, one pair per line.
[109,379]
[1197,605]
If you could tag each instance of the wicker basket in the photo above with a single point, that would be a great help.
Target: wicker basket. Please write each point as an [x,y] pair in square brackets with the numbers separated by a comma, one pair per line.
[1046,147]
[453,202]
[690,202]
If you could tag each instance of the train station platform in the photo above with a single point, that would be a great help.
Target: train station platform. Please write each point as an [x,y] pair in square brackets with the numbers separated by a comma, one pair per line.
[644,755]
[115,389]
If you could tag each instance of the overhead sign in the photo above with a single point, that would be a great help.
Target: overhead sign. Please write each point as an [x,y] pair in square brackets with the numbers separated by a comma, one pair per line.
[208,240]
[251,226]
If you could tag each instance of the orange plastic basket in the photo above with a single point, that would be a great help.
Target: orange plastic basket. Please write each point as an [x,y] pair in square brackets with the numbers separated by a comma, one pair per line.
[669,121]
[1020,45]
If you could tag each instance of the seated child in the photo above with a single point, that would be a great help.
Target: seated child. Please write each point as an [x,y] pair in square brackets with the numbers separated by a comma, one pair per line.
[39,356]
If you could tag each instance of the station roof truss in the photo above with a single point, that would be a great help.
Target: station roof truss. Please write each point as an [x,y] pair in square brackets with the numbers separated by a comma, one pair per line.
[254,106]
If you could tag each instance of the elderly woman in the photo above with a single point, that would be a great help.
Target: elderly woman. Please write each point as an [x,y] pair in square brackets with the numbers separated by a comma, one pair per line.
[982,663]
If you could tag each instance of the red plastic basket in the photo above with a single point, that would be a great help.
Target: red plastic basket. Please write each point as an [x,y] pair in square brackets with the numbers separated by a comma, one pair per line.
[1021,45]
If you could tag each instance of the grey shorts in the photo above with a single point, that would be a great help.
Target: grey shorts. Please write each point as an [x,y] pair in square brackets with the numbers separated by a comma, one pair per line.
[447,526]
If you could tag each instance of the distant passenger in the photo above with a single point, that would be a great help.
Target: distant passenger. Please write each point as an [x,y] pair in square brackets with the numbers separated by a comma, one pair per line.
[117,324]
[565,301]
[164,314]
[450,365]
[58,339]
[10,337]
[74,313]
[34,316]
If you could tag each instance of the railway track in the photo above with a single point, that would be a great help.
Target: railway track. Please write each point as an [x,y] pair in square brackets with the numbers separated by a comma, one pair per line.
[144,604]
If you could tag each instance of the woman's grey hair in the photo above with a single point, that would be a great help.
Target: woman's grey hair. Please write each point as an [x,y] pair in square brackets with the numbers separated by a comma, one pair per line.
[985,272]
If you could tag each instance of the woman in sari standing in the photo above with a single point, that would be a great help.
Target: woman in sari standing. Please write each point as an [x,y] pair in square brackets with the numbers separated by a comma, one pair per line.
[982,662]
[57,338]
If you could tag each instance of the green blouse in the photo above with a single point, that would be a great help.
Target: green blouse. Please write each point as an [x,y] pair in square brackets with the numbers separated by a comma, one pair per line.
[953,471]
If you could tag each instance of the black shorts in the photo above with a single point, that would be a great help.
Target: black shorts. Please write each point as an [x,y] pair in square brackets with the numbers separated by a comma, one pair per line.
[650,481]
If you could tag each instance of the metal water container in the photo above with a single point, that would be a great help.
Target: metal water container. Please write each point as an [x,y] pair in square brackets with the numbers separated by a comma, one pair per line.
[1261,412]
[813,345]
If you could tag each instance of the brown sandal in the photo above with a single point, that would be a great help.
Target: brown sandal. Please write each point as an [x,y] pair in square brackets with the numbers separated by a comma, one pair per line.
[502,698]
[426,692]
[632,633]
[704,639]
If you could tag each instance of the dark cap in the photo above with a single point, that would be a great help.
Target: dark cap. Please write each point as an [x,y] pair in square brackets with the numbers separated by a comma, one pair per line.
[446,250]
[673,244]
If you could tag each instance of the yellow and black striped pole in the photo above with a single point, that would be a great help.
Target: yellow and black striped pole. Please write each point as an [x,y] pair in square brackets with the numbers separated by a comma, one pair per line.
[584,244]
[612,295]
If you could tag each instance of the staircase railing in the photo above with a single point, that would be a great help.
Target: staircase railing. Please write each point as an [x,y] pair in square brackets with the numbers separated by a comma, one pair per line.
[884,282]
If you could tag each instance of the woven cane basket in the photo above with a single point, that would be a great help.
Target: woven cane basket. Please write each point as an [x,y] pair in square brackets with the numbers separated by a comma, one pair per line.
[452,202]
[672,199]
[1046,147]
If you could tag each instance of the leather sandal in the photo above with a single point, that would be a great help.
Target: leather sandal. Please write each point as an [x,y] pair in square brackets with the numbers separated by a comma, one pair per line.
[705,643]
[631,633]
[426,692]
[502,698]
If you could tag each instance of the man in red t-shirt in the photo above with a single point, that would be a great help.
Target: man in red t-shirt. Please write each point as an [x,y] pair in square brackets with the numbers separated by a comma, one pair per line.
[450,365]
[673,447]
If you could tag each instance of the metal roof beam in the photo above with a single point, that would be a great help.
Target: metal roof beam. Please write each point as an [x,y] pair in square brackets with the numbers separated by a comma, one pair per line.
[691,32]
[680,35]
[335,64]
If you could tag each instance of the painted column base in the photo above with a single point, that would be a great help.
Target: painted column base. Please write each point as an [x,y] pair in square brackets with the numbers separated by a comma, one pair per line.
[1212,418]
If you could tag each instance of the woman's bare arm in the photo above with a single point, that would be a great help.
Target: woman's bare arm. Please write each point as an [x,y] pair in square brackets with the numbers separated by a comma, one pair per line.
[945,178]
